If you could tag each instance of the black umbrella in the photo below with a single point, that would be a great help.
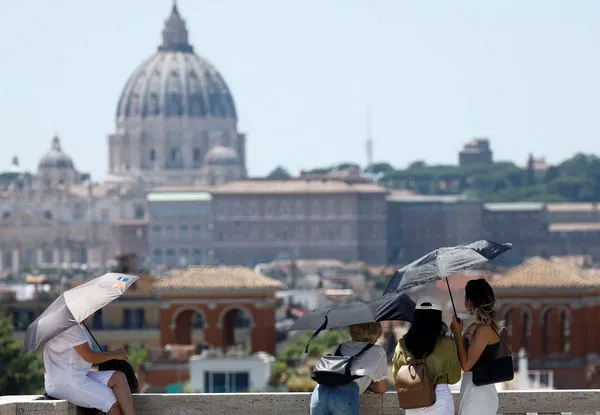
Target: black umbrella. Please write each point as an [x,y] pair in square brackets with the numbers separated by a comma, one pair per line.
[442,263]
[389,307]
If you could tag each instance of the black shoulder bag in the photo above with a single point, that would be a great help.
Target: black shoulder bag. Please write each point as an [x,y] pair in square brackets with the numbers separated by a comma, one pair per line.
[334,369]
[499,370]
[120,365]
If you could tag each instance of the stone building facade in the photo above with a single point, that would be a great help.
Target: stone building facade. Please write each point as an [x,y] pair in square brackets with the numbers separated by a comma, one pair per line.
[419,224]
[53,219]
[261,220]
[180,226]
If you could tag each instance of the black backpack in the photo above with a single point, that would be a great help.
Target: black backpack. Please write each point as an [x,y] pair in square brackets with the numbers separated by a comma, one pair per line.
[334,369]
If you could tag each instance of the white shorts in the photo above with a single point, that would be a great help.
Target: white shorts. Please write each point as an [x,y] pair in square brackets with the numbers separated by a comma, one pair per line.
[92,391]
[444,403]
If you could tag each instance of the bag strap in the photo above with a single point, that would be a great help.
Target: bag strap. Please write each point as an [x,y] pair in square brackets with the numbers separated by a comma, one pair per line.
[88,330]
[502,341]
[364,349]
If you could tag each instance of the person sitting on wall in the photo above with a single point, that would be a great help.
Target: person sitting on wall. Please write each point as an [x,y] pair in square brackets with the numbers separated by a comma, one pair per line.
[68,360]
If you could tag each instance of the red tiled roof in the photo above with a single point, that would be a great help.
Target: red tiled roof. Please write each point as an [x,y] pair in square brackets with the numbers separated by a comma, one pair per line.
[544,273]
[217,278]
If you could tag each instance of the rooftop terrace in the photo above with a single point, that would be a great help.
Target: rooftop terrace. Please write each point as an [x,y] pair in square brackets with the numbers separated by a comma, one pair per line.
[576,402]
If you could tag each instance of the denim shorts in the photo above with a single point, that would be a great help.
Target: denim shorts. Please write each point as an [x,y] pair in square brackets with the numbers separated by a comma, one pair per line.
[335,400]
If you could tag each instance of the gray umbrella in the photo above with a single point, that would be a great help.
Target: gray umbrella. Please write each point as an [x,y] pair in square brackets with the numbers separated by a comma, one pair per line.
[74,306]
[390,307]
[444,262]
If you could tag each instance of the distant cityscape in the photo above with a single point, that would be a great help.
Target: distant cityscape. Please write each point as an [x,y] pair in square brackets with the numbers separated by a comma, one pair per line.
[229,262]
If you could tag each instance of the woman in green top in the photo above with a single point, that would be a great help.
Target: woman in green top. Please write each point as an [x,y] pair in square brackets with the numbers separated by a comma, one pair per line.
[427,339]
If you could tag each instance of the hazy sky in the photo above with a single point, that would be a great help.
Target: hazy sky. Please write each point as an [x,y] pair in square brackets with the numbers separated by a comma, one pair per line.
[526,74]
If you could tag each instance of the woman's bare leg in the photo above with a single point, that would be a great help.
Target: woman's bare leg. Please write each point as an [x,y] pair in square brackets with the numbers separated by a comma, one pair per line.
[115,410]
[118,383]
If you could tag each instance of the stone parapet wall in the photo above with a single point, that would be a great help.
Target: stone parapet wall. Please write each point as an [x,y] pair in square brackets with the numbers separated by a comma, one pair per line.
[578,402]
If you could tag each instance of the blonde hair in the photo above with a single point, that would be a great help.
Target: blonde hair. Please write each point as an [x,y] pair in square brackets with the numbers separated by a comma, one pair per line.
[366,332]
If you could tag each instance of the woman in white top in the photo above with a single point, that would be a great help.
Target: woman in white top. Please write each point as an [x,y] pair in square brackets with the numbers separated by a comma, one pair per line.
[68,360]
[371,366]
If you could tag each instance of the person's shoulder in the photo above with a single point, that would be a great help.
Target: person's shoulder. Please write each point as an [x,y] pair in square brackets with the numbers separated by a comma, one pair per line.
[379,349]
[446,343]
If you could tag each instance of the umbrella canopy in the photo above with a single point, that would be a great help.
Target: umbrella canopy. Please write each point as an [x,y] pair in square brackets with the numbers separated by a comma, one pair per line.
[444,262]
[74,306]
[390,307]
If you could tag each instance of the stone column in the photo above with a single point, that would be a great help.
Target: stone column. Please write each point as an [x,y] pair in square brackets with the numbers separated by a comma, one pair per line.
[67,255]
[1,260]
[55,256]
[16,264]
[40,257]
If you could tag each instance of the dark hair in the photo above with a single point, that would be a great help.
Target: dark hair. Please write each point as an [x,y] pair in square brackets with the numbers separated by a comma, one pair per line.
[424,332]
[481,295]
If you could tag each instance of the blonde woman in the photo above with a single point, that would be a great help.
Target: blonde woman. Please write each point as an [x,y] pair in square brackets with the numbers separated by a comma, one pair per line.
[480,346]
[371,366]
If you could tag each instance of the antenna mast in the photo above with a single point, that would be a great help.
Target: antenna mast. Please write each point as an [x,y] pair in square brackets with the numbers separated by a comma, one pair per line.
[369,143]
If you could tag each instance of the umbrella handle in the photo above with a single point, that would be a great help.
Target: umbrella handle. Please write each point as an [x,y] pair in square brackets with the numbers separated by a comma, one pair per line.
[316,333]
[451,298]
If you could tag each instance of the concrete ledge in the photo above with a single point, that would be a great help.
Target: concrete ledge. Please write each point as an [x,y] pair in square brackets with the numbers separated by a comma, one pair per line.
[576,401]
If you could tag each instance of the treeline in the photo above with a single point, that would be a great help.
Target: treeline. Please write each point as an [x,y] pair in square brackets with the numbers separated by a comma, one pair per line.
[576,179]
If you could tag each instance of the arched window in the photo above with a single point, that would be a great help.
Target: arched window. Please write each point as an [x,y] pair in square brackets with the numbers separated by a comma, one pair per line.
[547,330]
[526,323]
[565,325]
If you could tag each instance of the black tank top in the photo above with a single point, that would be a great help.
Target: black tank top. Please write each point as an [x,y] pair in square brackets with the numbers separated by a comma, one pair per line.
[491,352]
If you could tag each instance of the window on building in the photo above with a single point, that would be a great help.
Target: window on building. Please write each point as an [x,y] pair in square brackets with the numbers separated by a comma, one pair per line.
[30,257]
[197,257]
[157,257]
[98,320]
[156,232]
[526,324]
[197,154]
[152,155]
[140,212]
[184,232]
[133,318]
[547,332]
[169,233]
[183,258]
[226,382]
[171,258]
[565,331]
[197,233]
[175,156]
[22,319]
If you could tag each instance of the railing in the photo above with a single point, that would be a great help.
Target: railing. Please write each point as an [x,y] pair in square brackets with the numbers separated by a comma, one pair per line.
[575,402]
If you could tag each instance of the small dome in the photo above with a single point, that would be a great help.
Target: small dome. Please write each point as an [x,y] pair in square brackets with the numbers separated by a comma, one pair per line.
[175,82]
[56,158]
[220,155]
[14,167]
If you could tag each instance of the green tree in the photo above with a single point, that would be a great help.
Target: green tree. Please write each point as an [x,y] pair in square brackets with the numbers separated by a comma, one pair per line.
[19,375]
[138,355]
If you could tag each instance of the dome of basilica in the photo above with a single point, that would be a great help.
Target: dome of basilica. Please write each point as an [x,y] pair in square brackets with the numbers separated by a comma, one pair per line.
[175,82]
[56,158]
